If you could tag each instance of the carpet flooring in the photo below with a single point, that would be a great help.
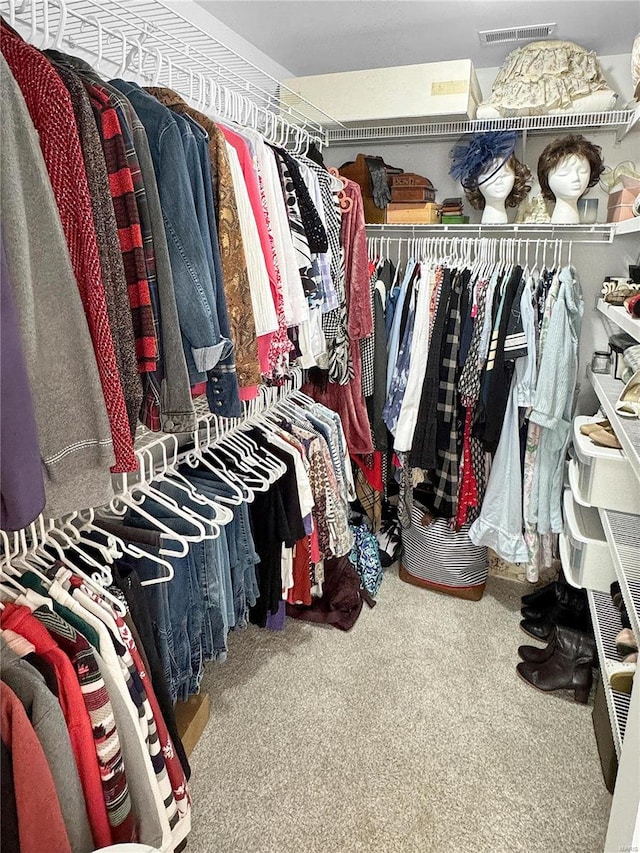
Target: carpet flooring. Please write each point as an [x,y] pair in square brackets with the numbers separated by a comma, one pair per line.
[412,733]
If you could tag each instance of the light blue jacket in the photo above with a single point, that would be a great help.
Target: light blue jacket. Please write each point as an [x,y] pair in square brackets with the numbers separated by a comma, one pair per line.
[554,400]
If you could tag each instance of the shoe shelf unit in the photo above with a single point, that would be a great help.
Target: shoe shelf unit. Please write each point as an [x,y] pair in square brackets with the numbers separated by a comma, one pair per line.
[607,624]
[623,536]
[618,314]
[622,533]
[627,430]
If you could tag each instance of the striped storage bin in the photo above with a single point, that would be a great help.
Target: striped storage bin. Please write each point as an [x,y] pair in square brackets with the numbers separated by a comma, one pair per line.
[439,558]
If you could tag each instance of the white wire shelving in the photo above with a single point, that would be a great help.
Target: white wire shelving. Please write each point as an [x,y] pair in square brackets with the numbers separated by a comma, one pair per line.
[149,38]
[623,536]
[598,233]
[621,317]
[627,430]
[606,625]
[619,120]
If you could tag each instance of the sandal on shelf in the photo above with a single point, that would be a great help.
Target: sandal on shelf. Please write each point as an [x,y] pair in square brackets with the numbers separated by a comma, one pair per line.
[621,674]
[628,404]
[626,642]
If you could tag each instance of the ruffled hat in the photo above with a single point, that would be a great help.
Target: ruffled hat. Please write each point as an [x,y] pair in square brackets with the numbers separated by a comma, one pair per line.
[471,157]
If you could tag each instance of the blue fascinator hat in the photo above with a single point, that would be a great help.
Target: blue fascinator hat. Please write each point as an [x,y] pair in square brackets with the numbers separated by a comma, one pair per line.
[471,157]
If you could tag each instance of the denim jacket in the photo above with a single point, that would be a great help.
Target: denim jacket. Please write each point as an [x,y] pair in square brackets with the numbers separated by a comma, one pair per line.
[174,150]
[222,386]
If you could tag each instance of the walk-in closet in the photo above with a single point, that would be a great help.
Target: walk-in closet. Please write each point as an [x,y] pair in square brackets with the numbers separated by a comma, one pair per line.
[319,426]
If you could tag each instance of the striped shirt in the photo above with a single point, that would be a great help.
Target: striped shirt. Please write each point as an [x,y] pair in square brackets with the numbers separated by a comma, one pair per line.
[114,781]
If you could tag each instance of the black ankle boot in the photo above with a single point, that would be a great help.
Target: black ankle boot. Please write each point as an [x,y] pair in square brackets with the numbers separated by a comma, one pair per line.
[565,597]
[540,597]
[571,610]
[568,668]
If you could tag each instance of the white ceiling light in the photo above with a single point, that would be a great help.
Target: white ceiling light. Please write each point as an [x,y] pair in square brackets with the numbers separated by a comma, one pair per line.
[513,34]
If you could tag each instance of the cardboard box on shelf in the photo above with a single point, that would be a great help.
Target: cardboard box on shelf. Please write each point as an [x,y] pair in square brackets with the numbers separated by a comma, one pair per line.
[620,203]
[413,213]
[405,93]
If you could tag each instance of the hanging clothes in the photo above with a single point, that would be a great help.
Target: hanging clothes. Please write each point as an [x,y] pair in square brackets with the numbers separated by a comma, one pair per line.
[74,435]
[50,109]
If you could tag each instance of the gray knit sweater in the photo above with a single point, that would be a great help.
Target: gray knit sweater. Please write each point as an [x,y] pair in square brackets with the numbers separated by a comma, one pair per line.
[73,429]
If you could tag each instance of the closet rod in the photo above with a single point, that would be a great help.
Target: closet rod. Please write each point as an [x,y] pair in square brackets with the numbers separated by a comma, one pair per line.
[158,445]
[602,233]
[138,35]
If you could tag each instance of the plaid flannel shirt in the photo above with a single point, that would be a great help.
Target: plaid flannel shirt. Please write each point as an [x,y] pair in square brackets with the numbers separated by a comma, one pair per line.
[151,379]
[448,442]
[129,233]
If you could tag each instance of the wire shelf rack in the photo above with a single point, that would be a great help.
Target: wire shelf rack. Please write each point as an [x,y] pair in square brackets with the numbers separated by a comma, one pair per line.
[149,38]
[621,120]
[606,625]
[602,233]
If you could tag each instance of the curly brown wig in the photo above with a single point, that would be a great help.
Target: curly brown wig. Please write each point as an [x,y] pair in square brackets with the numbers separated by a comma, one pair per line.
[520,188]
[565,146]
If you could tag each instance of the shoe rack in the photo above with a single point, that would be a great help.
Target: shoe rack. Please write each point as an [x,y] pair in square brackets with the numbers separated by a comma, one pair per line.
[622,534]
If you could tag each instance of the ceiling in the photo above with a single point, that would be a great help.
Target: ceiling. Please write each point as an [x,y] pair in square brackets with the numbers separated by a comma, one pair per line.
[318,36]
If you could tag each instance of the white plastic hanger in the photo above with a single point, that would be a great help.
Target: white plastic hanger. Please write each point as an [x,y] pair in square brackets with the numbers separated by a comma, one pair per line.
[256,480]
[62,26]
[108,553]
[146,488]
[124,501]
[210,527]
[196,457]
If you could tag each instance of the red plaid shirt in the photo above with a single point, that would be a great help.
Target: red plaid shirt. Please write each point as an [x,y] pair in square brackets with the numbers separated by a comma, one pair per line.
[129,233]
[51,111]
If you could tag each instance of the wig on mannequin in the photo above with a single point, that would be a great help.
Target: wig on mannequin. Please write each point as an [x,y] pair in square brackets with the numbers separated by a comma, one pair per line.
[561,148]
[471,161]
[519,192]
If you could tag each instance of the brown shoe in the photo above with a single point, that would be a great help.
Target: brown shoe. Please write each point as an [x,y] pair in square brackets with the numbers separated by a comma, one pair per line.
[534,654]
[587,429]
[605,437]
[569,668]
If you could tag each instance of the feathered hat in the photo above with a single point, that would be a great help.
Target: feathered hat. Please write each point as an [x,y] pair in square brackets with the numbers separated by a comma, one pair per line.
[471,157]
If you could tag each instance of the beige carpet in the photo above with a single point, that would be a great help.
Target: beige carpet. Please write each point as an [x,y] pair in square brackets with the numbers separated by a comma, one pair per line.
[412,733]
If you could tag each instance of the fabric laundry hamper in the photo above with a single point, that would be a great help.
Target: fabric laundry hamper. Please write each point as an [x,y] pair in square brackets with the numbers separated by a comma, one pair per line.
[439,558]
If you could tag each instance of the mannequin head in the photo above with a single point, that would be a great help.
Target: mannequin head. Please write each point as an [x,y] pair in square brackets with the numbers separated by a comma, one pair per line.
[570,178]
[496,182]
[509,184]
[568,166]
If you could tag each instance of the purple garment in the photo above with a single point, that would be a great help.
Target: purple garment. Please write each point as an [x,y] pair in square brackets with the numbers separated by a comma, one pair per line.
[21,483]
[276,621]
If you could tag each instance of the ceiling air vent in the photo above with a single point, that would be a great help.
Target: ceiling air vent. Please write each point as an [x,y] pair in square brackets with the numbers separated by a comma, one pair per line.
[513,34]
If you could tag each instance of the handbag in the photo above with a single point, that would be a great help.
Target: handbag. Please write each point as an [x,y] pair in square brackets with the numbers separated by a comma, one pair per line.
[442,559]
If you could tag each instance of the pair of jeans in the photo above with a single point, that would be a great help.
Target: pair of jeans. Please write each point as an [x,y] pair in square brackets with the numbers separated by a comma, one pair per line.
[241,551]
[177,606]
[211,557]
